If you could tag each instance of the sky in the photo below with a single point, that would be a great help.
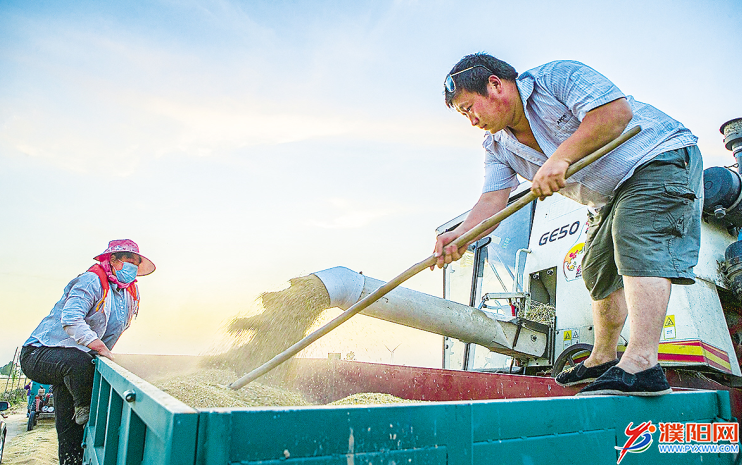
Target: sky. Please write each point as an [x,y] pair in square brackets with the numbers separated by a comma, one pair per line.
[244,143]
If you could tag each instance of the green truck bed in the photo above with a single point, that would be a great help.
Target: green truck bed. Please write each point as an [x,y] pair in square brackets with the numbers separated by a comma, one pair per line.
[133,422]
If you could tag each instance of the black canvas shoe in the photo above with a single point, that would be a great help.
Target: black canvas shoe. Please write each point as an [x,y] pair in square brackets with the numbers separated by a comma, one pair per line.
[580,374]
[615,381]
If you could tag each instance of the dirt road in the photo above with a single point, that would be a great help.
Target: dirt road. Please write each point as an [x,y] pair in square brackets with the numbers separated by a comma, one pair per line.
[16,424]
[37,447]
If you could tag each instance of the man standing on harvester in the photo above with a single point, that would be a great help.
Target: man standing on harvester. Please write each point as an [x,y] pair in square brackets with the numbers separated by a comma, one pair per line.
[645,198]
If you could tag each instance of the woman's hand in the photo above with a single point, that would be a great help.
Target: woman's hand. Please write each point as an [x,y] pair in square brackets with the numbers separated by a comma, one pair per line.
[99,347]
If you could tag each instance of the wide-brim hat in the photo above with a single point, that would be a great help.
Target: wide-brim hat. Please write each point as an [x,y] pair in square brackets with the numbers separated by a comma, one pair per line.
[127,245]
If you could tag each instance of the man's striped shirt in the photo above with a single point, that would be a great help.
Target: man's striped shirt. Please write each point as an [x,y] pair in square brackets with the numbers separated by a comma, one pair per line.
[556,97]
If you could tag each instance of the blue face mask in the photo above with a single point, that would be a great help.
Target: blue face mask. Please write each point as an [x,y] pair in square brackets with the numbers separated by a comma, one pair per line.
[128,273]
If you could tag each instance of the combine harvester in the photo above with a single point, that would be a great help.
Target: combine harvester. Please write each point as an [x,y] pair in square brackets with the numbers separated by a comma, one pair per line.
[514,313]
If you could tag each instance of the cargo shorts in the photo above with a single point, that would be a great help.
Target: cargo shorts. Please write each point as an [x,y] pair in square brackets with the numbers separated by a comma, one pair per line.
[651,226]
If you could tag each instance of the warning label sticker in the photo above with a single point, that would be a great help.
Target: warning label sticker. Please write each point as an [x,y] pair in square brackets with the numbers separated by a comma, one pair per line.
[668,330]
[571,337]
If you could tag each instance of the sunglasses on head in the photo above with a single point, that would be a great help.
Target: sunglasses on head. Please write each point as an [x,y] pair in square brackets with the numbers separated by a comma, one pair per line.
[451,84]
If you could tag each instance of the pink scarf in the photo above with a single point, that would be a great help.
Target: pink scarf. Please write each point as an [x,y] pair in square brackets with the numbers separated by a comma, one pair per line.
[106,265]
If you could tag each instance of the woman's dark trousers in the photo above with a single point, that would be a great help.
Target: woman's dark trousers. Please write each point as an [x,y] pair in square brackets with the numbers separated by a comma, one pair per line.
[70,372]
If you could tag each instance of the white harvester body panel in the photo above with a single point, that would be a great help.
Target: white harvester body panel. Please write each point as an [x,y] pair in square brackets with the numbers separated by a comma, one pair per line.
[695,331]
[695,335]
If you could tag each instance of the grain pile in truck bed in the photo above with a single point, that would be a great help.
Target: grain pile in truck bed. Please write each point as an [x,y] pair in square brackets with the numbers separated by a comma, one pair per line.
[202,390]
[371,398]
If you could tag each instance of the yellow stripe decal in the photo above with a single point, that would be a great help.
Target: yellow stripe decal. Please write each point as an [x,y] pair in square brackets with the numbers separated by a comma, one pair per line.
[695,352]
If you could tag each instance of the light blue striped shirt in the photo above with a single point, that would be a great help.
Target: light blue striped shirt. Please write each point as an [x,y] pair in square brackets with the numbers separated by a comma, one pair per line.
[556,97]
[77,307]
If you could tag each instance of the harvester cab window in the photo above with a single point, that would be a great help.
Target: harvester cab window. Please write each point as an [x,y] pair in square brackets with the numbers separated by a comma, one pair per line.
[494,265]
[466,281]
[458,276]
[511,236]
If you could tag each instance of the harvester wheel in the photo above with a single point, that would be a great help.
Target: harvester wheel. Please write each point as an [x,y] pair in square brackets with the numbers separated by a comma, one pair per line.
[570,357]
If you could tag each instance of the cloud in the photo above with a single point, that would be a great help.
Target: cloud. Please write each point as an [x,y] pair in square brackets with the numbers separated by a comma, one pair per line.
[115,126]
[91,94]
[345,214]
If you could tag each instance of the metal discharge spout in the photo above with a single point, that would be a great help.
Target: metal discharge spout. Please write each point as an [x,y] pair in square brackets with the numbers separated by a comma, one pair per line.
[429,313]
